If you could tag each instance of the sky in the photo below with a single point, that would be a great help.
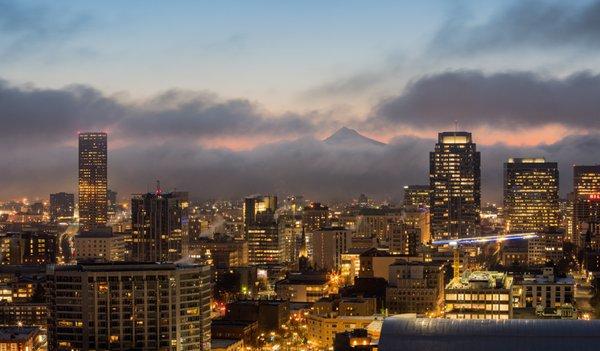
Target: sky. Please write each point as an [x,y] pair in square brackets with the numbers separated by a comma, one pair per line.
[228,98]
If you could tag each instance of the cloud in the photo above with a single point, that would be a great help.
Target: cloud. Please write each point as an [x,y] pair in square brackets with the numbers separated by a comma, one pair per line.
[32,115]
[524,24]
[500,100]
[156,139]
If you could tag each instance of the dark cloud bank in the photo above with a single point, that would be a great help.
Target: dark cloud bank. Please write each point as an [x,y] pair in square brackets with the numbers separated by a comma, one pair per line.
[158,138]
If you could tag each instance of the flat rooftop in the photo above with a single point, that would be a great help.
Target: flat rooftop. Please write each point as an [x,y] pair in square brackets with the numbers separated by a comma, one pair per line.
[15,333]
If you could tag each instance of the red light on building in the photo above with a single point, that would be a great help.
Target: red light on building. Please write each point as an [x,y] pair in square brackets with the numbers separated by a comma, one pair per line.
[594,197]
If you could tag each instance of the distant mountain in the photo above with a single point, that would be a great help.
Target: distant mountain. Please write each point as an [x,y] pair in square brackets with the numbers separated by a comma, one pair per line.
[350,138]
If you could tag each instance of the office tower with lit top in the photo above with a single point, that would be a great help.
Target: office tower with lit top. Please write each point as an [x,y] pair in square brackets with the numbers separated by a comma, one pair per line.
[92,180]
[530,195]
[455,183]
[159,226]
[586,202]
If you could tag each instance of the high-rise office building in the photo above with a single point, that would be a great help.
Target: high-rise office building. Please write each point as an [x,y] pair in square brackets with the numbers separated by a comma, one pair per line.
[417,195]
[256,205]
[586,202]
[62,206]
[92,180]
[328,246]
[315,216]
[159,226]
[455,182]
[530,195]
[129,306]
[265,244]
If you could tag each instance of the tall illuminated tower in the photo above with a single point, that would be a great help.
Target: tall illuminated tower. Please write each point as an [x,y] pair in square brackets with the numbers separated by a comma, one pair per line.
[455,181]
[92,180]
[530,194]
[586,202]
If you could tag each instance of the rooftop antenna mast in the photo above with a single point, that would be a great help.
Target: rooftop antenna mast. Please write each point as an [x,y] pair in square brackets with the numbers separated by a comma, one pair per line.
[158,189]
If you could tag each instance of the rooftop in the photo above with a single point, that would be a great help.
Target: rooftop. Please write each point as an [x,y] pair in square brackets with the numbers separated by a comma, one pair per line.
[15,333]
[122,266]
[416,334]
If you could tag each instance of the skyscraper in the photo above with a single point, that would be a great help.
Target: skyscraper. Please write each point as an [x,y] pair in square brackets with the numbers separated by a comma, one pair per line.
[92,180]
[159,226]
[530,195]
[586,202]
[455,181]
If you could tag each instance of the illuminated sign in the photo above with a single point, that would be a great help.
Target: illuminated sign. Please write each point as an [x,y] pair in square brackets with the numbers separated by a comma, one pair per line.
[594,197]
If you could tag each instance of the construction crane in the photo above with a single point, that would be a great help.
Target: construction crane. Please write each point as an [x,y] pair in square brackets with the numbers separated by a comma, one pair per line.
[457,243]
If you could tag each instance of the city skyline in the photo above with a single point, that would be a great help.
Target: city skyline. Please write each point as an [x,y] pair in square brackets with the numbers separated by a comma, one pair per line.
[222,107]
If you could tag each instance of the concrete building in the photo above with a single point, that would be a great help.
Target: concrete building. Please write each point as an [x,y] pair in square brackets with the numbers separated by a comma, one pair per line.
[119,306]
[93,180]
[159,226]
[256,205]
[315,216]
[455,181]
[375,263]
[328,246]
[530,195]
[405,238]
[270,314]
[377,223]
[345,306]
[21,338]
[417,195]
[232,329]
[546,247]
[265,246]
[222,252]
[544,290]
[227,345]
[28,247]
[415,287]
[303,287]
[321,329]
[480,295]
[99,245]
[62,207]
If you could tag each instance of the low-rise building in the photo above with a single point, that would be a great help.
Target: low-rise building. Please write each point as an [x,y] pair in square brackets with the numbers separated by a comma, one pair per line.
[232,329]
[99,245]
[544,290]
[321,329]
[303,287]
[415,287]
[270,314]
[346,306]
[479,295]
[20,338]
[375,263]
[227,345]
